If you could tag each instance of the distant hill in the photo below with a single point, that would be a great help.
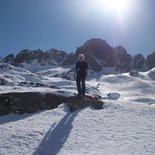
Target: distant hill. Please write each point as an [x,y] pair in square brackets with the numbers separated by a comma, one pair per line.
[98,54]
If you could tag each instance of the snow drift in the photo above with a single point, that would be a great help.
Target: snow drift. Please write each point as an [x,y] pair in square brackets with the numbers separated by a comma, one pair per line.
[124,126]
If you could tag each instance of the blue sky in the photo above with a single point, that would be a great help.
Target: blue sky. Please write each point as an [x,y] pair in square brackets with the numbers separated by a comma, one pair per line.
[67,24]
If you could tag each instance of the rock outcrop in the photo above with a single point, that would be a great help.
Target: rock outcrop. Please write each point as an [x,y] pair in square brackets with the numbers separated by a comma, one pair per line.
[9,58]
[138,61]
[151,60]
[122,59]
[75,104]
[100,54]
[29,102]
[97,54]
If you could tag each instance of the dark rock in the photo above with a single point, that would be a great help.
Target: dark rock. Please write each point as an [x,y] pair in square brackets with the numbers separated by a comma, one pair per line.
[9,58]
[70,59]
[52,57]
[138,61]
[57,55]
[29,102]
[75,103]
[70,75]
[4,105]
[22,57]
[134,73]
[151,60]
[97,54]
[5,66]
[122,59]
[54,87]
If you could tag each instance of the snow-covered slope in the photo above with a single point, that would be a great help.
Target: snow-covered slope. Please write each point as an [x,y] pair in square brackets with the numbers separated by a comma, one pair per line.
[35,66]
[150,74]
[125,125]
[10,75]
[67,73]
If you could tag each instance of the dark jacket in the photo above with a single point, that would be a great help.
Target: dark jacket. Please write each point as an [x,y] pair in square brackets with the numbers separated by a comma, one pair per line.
[81,68]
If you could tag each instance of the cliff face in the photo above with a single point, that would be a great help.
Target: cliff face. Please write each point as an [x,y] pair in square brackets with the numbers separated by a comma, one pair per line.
[138,61]
[98,54]
[122,59]
[151,60]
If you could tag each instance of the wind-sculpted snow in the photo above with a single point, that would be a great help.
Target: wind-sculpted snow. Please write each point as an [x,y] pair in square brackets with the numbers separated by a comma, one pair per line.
[125,125]
[151,74]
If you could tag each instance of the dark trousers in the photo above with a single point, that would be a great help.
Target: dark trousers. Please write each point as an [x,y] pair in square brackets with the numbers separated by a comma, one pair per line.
[80,82]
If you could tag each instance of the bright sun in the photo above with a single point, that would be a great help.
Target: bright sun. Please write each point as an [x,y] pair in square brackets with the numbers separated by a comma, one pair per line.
[116,7]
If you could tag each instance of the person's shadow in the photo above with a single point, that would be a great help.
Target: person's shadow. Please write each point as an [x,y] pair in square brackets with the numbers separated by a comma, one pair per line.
[56,136]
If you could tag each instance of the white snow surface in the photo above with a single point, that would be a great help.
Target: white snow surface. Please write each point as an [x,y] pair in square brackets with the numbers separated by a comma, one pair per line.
[35,66]
[125,125]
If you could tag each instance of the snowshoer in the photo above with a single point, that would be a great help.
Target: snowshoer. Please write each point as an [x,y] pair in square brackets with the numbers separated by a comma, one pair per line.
[81,74]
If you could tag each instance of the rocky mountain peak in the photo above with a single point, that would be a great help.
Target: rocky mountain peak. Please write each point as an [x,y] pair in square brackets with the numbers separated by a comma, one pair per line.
[39,58]
[151,60]
[121,58]
[98,54]
[138,61]
[9,58]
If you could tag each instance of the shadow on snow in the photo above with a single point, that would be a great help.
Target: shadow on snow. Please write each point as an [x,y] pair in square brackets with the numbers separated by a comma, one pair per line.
[56,136]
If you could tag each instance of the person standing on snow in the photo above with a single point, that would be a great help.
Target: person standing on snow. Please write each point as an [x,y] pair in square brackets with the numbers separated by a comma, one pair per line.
[81,74]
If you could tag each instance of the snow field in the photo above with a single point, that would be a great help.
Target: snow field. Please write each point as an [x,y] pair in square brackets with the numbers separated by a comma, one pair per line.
[125,125]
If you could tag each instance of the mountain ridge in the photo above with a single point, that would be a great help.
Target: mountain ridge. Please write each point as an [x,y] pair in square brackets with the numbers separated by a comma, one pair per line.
[98,54]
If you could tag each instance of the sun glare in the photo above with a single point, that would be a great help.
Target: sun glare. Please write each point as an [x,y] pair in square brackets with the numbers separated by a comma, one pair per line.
[116,7]
[116,11]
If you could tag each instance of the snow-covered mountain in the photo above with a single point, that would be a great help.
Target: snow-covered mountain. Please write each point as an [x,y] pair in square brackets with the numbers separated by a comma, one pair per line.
[36,60]
[125,125]
[98,54]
